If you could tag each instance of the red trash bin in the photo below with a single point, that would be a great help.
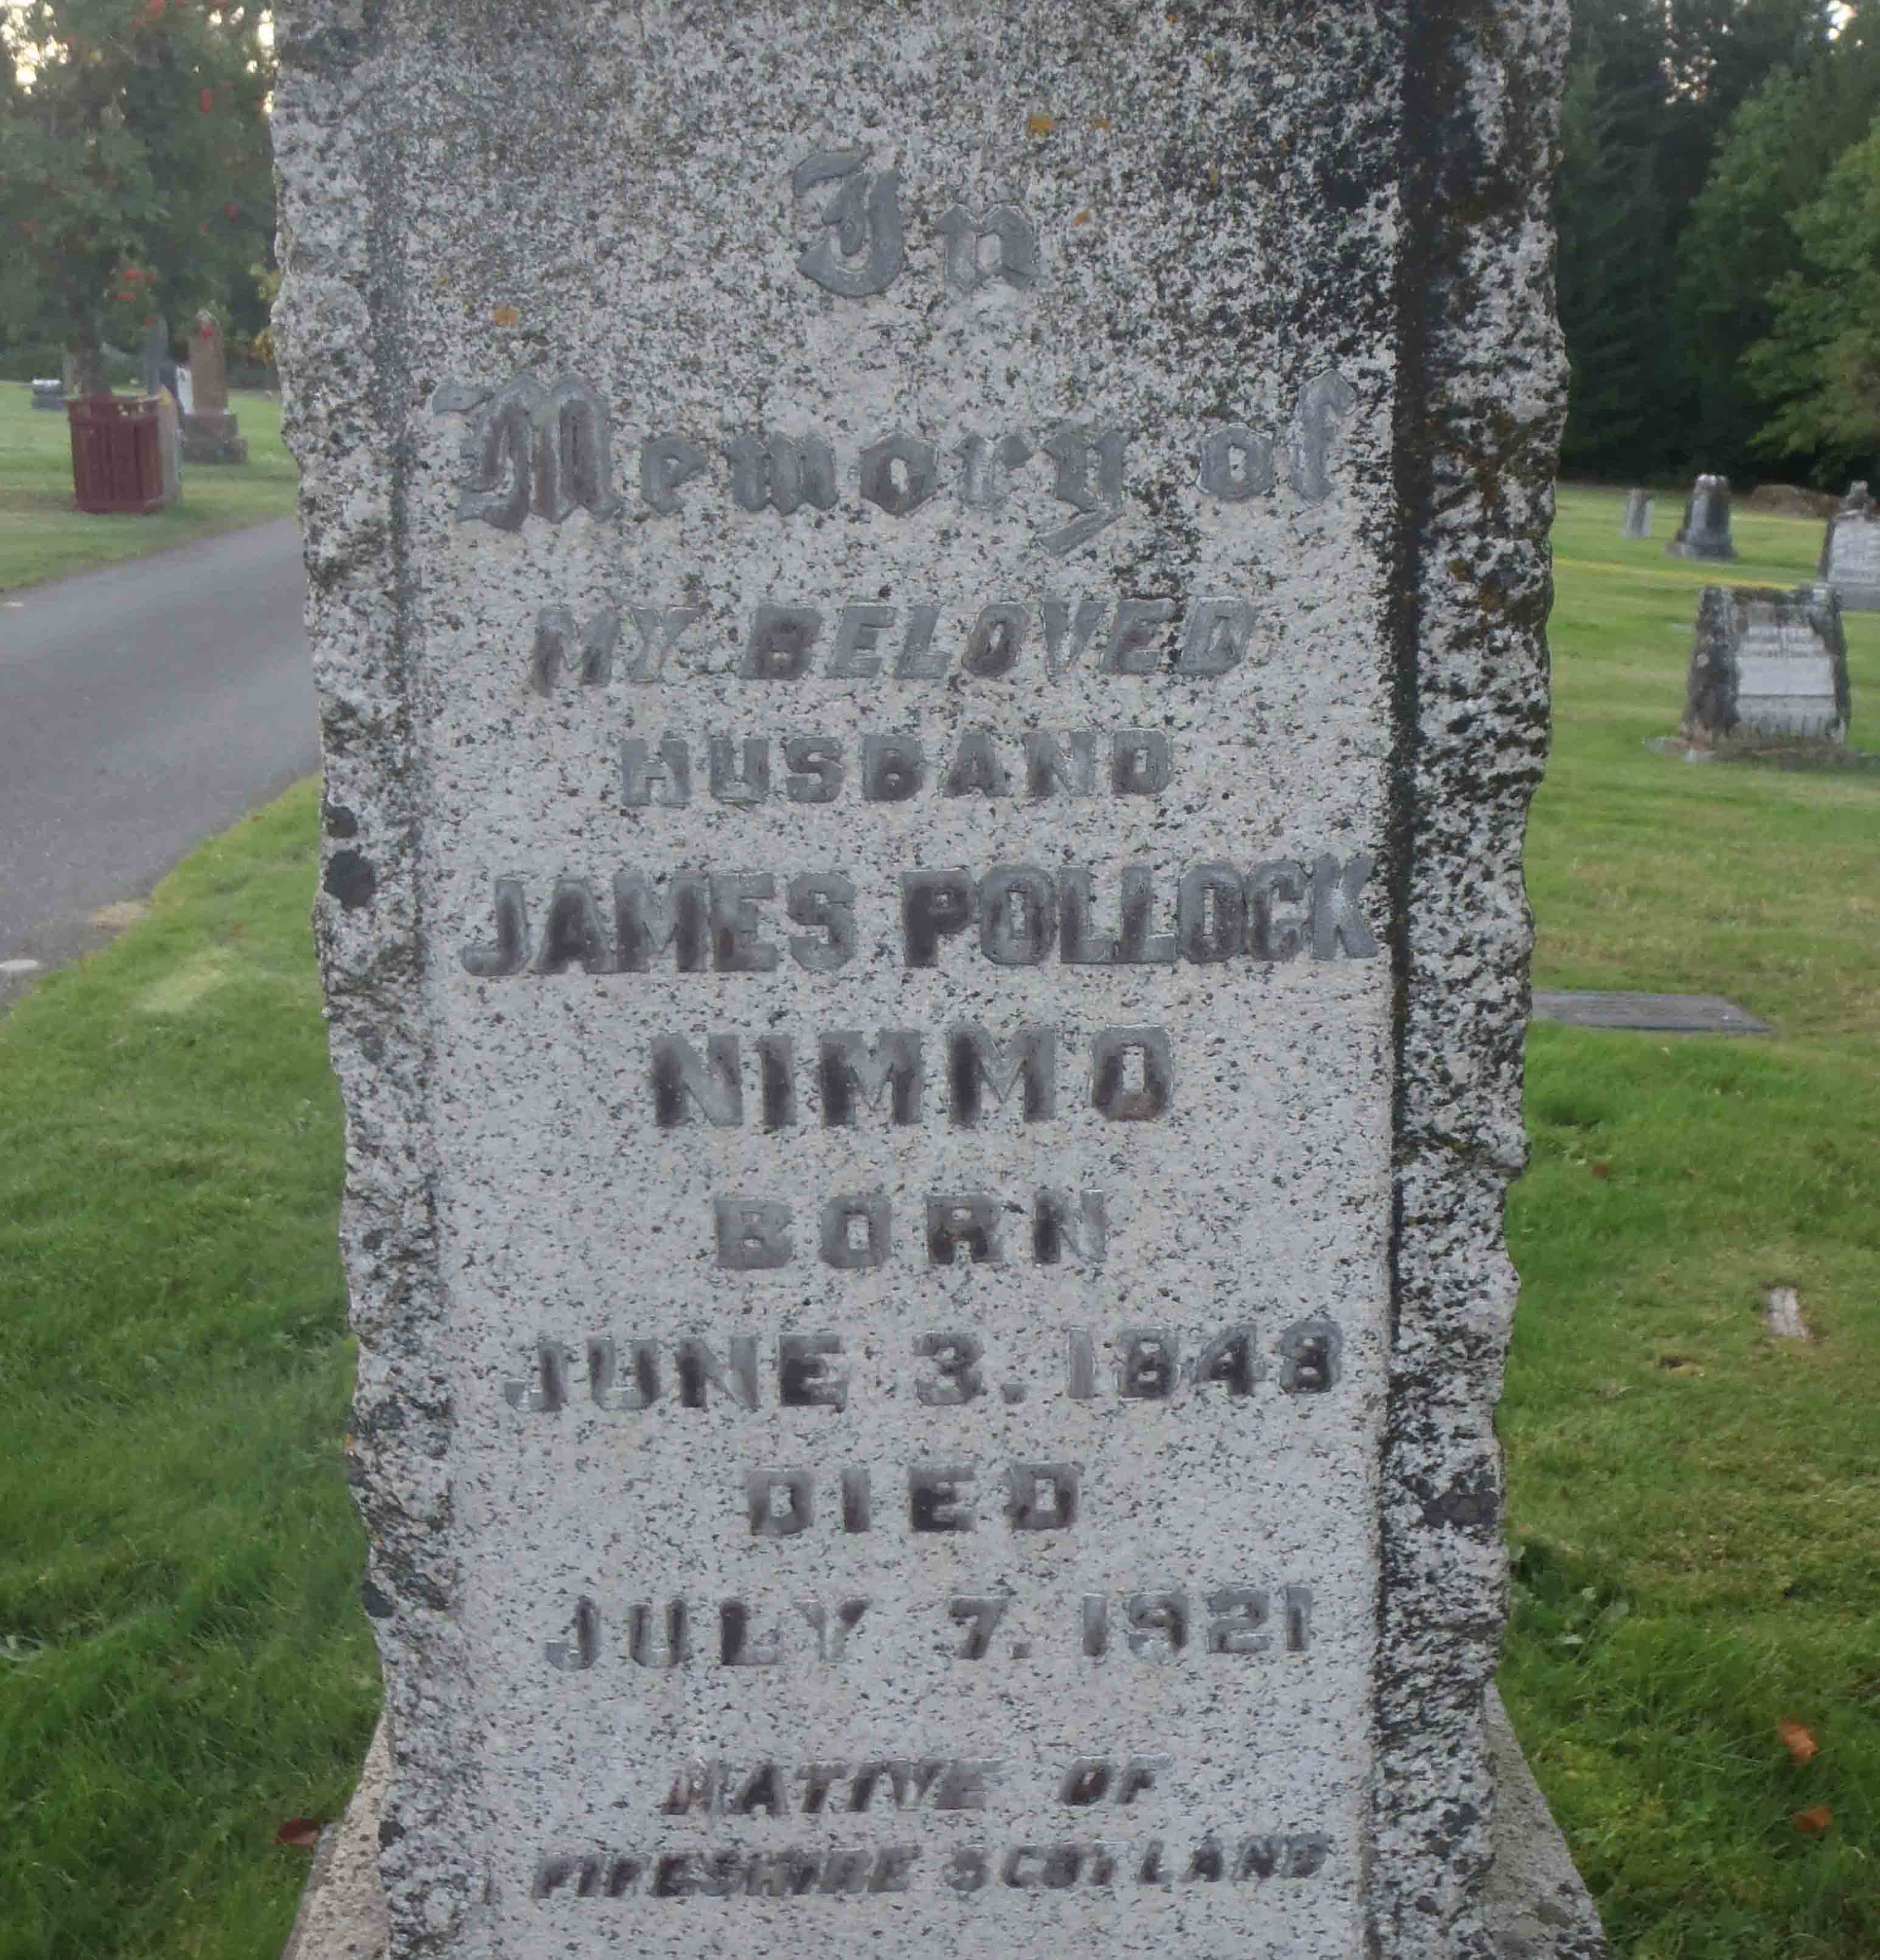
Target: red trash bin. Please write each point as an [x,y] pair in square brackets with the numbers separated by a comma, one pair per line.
[117,454]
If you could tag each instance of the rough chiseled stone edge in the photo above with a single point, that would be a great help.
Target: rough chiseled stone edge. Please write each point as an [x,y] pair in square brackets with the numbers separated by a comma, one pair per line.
[347,401]
[1480,402]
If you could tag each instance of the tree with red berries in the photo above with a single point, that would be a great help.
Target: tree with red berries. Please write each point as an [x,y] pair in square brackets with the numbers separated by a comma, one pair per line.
[135,174]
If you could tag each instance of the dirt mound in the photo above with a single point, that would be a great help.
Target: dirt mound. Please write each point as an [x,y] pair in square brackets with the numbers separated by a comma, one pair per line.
[1786,500]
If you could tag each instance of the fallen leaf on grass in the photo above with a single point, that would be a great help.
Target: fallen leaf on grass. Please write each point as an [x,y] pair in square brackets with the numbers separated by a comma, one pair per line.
[1801,1746]
[1602,1169]
[302,1833]
[1814,1821]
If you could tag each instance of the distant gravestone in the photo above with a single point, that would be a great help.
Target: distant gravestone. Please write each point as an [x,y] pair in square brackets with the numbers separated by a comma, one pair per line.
[1705,532]
[210,434]
[1767,667]
[1850,552]
[159,364]
[922,916]
[1636,523]
[49,395]
[169,445]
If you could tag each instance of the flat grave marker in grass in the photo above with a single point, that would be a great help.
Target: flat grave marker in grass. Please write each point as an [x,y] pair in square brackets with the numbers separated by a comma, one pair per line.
[922,920]
[1662,1013]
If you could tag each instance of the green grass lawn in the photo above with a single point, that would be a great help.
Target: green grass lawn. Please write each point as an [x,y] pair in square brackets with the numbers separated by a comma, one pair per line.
[1697,1509]
[42,536]
[183,1661]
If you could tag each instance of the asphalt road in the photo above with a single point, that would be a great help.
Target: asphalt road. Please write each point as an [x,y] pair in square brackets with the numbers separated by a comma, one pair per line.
[142,708]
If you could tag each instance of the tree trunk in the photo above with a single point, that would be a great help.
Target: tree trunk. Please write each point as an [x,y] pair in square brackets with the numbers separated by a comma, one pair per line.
[84,369]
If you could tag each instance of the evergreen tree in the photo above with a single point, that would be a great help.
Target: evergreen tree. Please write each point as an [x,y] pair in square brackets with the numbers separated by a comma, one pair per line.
[135,175]
[1740,244]
[1611,224]
[1819,368]
[1653,85]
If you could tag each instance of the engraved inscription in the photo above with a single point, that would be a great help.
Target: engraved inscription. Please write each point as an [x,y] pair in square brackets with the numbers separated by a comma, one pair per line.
[532,450]
[812,1370]
[536,449]
[862,250]
[825,1871]
[1016,916]
[1012,239]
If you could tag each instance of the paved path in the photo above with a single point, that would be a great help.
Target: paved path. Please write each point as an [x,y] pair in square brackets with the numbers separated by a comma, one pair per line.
[142,708]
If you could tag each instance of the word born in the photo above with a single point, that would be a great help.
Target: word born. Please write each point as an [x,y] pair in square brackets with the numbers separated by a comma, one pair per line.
[546,450]
[710,921]
[755,1234]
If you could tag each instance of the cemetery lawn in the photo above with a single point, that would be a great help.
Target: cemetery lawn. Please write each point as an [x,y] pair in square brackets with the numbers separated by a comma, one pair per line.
[42,536]
[1697,1508]
[183,1661]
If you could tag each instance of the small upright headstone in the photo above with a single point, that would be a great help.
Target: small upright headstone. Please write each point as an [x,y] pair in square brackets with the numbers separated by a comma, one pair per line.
[1636,522]
[922,913]
[209,431]
[1850,552]
[169,445]
[159,364]
[1705,533]
[1767,667]
[49,395]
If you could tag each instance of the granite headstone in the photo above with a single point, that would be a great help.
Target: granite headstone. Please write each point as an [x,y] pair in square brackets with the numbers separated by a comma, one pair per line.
[1705,532]
[159,365]
[1850,552]
[1637,521]
[211,434]
[169,445]
[1767,665]
[49,394]
[929,629]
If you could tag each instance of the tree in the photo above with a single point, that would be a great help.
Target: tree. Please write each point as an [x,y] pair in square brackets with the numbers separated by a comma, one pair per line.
[1652,84]
[1610,225]
[1717,52]
[1739,243]
[135,174]
[1819,368]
